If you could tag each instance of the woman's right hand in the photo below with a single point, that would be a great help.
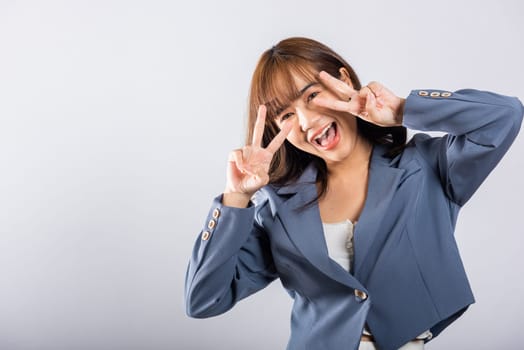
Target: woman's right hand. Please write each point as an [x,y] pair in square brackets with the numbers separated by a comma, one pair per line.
[248,167]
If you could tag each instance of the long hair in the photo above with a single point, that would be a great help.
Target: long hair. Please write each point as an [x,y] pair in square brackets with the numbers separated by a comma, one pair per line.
[273,85]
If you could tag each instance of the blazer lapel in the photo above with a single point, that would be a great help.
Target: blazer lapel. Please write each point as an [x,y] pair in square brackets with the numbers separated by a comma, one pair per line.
[304,227]
[383,182]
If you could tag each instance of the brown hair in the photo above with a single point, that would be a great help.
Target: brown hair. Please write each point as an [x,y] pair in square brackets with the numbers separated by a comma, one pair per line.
[273,85]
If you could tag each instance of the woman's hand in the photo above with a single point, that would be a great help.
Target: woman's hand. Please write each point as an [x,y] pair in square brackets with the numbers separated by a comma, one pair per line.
[373,103]
[248,167]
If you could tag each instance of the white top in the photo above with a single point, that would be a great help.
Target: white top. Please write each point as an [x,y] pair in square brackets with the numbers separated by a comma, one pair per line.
[339,241]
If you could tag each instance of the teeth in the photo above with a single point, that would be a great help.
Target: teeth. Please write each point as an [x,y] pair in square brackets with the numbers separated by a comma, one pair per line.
[319,137]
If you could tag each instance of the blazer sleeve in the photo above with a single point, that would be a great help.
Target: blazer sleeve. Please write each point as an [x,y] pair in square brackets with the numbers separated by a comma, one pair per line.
[480,128]
[231,259]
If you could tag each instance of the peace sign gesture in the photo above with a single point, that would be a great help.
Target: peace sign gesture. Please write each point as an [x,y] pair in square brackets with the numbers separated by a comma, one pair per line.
[374,102]
[248,167]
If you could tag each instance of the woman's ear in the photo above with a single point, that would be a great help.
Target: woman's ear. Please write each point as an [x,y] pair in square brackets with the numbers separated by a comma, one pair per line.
[344,76]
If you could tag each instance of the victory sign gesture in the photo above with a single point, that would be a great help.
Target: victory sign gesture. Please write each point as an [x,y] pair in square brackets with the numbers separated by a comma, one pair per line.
[248,167]
[374,103]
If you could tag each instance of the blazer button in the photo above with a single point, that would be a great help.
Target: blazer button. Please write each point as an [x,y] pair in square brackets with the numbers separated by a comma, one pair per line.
[423,93]
[211,224]
[205,235]
[361,294]
[216,213]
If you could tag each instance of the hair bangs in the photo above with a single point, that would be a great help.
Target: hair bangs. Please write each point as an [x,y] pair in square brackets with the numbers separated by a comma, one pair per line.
[278,88]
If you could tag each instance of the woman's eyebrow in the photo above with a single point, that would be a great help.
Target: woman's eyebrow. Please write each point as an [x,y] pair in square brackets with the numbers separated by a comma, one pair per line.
[280,109]
[307,87]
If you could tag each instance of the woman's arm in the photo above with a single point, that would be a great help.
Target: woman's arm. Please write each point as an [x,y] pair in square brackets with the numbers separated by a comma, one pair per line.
[231,260]
[481,126]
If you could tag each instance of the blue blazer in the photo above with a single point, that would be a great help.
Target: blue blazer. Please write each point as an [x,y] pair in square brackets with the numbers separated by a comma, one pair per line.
[407,273]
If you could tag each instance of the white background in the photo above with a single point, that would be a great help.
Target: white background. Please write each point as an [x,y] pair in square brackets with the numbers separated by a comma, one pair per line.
[116,118]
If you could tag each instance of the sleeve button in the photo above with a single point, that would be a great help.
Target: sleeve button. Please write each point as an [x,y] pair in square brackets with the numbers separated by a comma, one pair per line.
[216,213]
[445,94]
[211,224]
[205,235]
[435,94]
[361,294]
[423,93]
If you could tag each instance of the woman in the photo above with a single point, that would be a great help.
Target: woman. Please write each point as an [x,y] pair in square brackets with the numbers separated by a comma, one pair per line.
[328,197]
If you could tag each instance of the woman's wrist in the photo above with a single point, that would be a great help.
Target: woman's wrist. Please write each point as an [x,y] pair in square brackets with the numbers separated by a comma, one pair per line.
[235,199]
[399,116]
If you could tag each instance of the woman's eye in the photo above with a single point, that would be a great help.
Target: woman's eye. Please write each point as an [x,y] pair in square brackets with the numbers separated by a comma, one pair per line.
[312,96]
[286,116]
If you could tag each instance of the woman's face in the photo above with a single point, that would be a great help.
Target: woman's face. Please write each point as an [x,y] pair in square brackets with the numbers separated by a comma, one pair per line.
[328,134]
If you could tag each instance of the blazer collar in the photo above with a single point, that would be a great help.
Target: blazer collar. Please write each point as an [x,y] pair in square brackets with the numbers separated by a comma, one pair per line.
[275,195]
[304,226]
[308,178]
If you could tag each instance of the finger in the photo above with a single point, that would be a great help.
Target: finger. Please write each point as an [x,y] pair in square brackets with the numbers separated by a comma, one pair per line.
[330,103]
[371,106]
[233,174]
[337,105]
[341,89]
[237,157]
[279,139]
[376,88]
[379,91]
[373,86]
[360,100]
[258,130]
[253,183]
[363,93]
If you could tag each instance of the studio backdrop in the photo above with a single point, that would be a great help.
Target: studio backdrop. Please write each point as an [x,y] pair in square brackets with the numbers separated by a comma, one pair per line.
[116,119]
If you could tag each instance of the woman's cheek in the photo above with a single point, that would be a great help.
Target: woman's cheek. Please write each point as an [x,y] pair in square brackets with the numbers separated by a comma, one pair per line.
[303,146]
[296,140]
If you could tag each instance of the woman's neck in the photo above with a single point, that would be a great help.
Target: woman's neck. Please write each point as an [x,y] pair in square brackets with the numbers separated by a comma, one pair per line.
[355,164]
[347,186]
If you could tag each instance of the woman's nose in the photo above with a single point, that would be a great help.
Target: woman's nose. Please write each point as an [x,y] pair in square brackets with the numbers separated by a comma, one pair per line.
[306,119]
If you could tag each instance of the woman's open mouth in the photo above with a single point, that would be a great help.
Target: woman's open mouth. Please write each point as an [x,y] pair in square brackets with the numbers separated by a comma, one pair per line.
[328,138]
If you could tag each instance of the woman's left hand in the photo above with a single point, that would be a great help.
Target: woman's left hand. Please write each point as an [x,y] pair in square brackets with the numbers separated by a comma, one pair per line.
[373,103]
